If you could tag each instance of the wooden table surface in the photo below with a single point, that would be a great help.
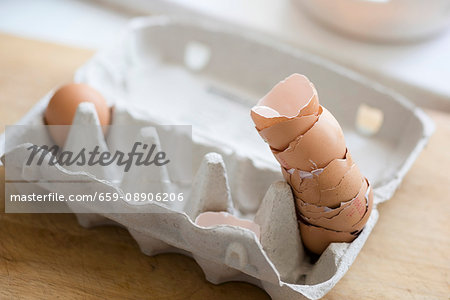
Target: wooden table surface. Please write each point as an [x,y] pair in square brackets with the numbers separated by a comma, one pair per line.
[46,256]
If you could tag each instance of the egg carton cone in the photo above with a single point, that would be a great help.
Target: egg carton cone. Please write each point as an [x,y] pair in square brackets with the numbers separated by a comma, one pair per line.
[166,71]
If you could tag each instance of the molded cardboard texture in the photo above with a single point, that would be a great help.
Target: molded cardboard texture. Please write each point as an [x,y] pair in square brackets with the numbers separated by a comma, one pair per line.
[235,171]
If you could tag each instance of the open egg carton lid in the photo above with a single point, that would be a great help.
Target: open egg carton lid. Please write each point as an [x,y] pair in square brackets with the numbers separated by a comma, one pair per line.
[174,71]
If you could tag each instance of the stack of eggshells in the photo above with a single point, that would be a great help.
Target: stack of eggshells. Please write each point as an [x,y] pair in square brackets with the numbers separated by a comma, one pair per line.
[333,199]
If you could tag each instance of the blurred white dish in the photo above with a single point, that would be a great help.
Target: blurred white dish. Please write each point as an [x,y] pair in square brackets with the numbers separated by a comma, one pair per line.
[386,20]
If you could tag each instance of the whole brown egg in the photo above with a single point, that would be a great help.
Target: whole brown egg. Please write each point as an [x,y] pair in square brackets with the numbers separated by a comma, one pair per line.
[63,105]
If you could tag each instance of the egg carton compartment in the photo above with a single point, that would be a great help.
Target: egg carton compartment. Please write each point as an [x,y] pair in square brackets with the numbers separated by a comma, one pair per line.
[172,71]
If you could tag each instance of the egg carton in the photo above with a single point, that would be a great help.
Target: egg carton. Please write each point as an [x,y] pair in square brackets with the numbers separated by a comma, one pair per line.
[222,73]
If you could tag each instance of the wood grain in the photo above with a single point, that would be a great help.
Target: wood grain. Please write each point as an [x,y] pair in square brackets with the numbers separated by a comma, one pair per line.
[45,256]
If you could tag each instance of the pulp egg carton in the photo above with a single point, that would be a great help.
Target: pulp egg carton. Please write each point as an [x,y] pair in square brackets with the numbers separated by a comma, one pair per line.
[175,71]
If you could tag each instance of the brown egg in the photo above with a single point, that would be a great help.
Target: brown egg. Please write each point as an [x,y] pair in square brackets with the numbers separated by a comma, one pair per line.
[63,105]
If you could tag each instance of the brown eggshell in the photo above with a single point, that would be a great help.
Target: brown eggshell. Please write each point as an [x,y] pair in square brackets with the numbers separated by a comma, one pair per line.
[340,172]
[347,217]
[306,208]
[63,105]
[332,174]
[308,190]
[296,179]
[328,177]
[293,97]
[315,149]
[361,223]
[347,189]
[299,177]
[264,117]
[314,211]
[317,239]
[286,175]
[309,211]
[281,134]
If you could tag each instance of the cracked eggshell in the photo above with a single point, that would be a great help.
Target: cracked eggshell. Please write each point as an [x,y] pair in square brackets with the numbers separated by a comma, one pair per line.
[307,208]
[332,174]
[291,98]
[347,215]
[317,239]
[212,219]
[318,211]
[279,136]
[308,190]
[307,186]
[314,211]
[347,189]
[315,149]
[369,196]
[286,175]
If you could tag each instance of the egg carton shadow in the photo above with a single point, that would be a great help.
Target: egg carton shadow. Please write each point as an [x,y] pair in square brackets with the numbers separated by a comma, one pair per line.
[276,262]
